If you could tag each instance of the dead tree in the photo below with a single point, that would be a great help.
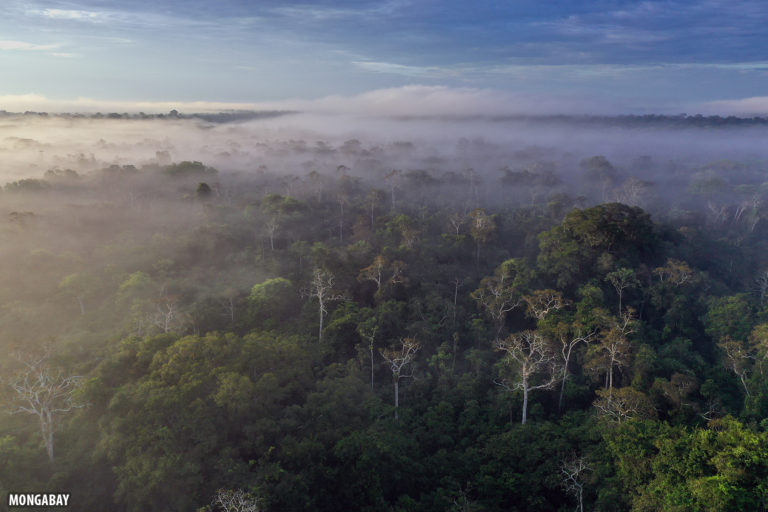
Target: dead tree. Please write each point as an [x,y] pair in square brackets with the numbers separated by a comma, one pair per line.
[321,288]
[542,302]
[235,501]
[398,361]
[47,394]
[569,337]
[528,355]
[573,472]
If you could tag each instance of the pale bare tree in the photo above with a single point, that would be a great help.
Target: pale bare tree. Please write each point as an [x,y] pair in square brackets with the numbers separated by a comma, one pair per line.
[228,500]
[573,472]
[622,279]
[623,404]
[739,359]
[399,363]
[612,350]
[529,357]
[498,296]
[675,271]
[456,220]
[321,289]
[542,302]
[374,272]
[167,314]
[378,270]
[47,393]
[569,337]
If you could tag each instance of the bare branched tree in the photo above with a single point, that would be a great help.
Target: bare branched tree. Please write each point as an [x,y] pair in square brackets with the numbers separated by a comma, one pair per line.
[321,288]
[399,361]
[738,359]
[623,404]
[456,220]
[46,393]
[529,356]
[497,296]
[542,302]
[569,336]
[238,500]
[166,314]
[573,472]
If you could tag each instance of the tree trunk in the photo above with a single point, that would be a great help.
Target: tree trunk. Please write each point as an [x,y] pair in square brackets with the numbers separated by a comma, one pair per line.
[525,403]
[46,426]
[397,398]
[562,389]
[320,331]
[371,347]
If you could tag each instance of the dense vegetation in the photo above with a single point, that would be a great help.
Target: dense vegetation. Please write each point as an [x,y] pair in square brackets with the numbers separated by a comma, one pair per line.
[410,340]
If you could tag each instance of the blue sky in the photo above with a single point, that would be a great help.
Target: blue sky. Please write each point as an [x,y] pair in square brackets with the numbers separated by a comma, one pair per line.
[634,56]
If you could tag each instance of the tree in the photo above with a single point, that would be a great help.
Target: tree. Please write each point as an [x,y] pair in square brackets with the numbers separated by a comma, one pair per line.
[501,293]
[612,349]
[369,333]
[321,288]
[739,358]
[541,302]
[235,501]
[674,271]
[624,404]
[481,229]
[381,272]
[45,393]
[167,314]
[77,285]
[527,355]
[398,361]
[569,336]
[622,279]
[573,473]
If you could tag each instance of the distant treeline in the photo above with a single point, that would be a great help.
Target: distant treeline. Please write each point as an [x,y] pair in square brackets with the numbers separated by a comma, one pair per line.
[217,117]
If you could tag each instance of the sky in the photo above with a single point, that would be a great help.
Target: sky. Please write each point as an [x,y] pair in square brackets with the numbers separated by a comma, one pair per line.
[402,56]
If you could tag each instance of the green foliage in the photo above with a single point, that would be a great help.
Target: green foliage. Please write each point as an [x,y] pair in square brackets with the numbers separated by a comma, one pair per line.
[186,168]
[271,302]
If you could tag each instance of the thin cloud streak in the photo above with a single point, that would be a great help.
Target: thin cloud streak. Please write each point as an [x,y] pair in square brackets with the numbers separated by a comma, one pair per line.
[26,47]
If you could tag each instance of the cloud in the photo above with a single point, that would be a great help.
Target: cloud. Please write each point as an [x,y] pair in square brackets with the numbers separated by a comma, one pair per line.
[413,100]
[25,46]
[309,12]
[421,100]
[67,55]
[408,101]
[404,70]
[754,106]
[71,14]
[41,103]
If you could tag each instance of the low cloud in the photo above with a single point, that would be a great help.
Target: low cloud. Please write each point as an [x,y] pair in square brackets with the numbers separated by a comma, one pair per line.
[755,106]
[26,46]
[408,101]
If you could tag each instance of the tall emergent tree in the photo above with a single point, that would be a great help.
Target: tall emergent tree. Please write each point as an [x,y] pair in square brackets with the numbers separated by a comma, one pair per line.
[398,361]
[321,288]
[533,364]
[45,393]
